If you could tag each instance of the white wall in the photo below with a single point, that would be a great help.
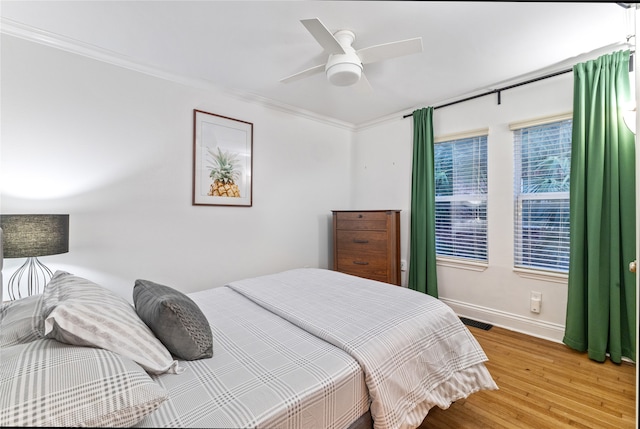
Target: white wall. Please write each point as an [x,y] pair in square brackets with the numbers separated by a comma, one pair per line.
[382,177]
[113,148]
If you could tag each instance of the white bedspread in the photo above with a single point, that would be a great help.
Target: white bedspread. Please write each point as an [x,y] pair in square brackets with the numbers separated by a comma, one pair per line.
[415,351]
[264,373]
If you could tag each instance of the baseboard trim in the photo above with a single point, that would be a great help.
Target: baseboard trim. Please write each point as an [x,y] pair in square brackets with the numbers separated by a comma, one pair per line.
[537,328]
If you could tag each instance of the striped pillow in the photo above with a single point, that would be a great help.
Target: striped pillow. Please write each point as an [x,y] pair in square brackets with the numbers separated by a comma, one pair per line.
[21,321]
[47,383]
[79,312]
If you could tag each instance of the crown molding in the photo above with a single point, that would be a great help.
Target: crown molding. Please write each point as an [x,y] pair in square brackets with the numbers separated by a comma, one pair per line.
[32,34]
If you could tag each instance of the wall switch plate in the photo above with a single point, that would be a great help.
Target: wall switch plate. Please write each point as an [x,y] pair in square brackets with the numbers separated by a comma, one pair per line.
[403,265]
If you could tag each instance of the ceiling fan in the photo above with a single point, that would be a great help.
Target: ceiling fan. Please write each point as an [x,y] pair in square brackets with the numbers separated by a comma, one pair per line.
[344,65]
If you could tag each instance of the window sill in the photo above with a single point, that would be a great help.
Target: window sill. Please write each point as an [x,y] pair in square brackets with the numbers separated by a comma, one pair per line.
[548,276]
[462,264]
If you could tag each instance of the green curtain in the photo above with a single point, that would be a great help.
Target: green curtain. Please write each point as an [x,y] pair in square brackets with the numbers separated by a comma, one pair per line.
[422,267]
[602,295]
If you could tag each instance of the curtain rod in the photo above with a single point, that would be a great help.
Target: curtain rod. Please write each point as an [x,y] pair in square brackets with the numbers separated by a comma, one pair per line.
[499,90]
[504,88]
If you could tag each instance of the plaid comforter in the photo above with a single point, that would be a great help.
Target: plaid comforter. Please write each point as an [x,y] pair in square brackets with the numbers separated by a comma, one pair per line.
[264,373]
[414,350]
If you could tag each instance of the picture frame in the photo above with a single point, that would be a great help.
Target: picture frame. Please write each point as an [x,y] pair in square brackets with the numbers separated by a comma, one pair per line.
[222,160]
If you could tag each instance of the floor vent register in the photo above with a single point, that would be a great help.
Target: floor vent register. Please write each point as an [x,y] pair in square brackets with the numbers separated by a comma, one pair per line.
[476,324]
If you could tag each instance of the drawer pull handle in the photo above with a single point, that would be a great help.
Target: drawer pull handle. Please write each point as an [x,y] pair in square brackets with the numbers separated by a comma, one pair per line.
[355,240]
[360,216]
[360,263]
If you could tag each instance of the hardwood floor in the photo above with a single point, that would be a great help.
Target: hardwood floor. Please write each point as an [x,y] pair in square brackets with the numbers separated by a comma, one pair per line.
[543,384]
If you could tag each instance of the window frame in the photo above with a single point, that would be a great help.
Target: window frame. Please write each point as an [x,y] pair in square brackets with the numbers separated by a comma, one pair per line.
[455,261]
[539,273]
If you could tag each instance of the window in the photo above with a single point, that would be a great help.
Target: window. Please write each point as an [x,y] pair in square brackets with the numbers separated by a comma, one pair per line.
[542,163]
[461,198]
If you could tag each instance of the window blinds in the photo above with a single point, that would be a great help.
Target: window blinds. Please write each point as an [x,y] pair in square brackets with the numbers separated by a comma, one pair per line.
[542,155]
[461,198]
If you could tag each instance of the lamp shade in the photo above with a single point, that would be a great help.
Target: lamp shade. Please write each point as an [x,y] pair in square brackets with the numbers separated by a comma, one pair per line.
[33,235]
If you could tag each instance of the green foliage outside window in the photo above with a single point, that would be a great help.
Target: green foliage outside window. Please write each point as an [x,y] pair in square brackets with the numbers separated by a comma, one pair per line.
[543,155]
[461,198]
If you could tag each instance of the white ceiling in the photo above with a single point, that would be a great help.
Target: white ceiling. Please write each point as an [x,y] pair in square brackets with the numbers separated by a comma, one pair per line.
[246,47]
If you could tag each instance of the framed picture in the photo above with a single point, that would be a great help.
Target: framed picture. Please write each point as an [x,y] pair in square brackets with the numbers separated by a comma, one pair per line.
[222,160]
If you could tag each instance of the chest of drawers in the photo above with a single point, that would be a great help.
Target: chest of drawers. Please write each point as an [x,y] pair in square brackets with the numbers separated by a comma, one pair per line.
[366,243]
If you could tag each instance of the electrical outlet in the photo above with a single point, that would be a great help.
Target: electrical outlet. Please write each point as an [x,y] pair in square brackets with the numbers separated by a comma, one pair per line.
[403,265]
[535,302]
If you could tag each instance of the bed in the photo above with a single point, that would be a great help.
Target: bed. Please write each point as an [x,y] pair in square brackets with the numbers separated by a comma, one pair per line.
[303,348]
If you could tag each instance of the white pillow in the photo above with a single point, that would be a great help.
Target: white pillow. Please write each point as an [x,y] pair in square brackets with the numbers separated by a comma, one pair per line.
[79,312]
[47,383]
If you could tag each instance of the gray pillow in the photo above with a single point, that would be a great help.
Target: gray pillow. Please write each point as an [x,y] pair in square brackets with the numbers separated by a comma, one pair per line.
[175,319]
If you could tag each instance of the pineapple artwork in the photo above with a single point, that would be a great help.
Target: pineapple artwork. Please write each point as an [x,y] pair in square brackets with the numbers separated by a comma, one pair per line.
[222,161]
[224,173]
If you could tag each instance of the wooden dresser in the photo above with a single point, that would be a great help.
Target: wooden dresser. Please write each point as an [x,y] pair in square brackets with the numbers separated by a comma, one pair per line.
[366,243]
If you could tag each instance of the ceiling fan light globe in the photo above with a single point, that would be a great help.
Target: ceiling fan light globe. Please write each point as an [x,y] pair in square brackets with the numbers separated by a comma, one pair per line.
[344,74]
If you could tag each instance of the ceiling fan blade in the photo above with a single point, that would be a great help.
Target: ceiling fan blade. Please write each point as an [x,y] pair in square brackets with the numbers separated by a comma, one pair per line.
[323,36]
[363,86]
[304,73]
[390,50]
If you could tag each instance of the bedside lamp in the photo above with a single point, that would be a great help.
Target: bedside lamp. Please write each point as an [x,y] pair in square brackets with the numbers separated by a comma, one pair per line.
[30,236]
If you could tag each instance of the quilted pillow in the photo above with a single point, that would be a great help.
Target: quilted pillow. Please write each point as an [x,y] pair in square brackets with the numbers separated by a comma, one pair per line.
[51,384]
[79,312]
[176,320]
[21,321]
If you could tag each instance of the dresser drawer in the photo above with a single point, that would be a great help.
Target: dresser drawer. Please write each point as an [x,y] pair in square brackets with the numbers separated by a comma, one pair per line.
[373,272]
[361,258]
[362,242]
[361,220]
